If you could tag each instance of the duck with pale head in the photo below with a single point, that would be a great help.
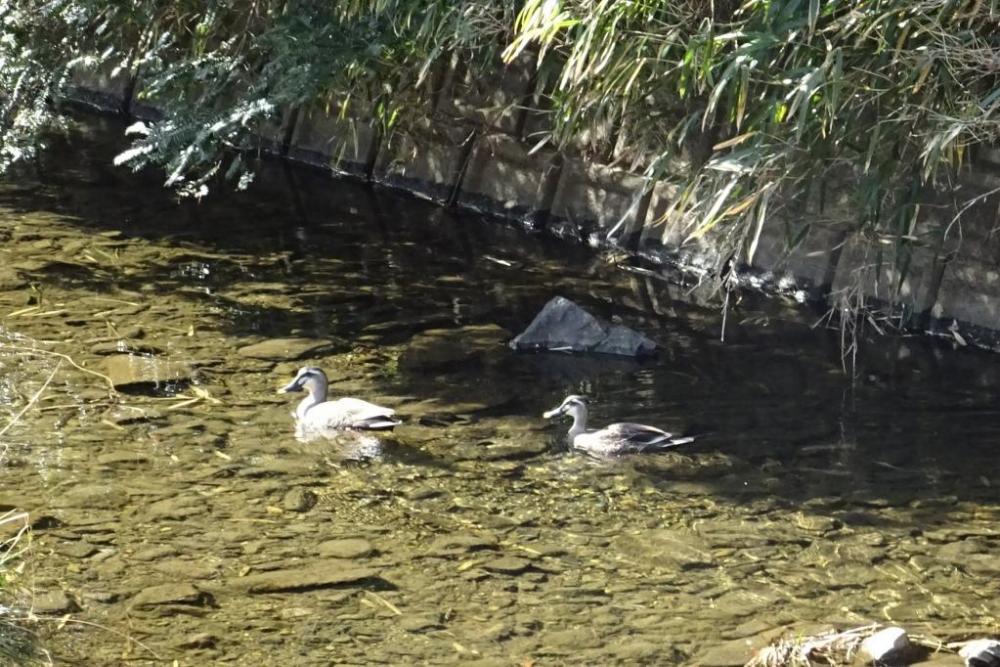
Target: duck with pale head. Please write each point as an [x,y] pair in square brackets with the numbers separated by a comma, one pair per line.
[316,414]
[614,439]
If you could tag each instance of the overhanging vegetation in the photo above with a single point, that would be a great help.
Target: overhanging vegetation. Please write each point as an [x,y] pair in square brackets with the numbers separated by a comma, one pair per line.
[757,97]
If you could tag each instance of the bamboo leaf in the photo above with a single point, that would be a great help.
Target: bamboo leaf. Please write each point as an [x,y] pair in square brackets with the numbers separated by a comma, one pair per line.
[734,141]
[741,206]
[744,93]
[813,16]
[718,90]
[711,219]
[761,218]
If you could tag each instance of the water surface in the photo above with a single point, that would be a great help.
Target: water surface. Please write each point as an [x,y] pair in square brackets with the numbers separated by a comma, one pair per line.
[472,535]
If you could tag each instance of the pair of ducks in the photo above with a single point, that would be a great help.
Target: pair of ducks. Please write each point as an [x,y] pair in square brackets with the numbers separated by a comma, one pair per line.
[316,414]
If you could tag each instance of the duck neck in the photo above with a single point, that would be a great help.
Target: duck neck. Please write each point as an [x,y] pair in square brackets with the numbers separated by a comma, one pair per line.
[317,394]
[579,426]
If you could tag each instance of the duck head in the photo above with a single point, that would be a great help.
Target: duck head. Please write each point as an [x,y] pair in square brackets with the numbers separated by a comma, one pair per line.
[311,379]
[574,406]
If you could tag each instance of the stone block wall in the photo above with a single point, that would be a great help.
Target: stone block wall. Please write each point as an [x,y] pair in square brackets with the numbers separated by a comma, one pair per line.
[476,149]
[328,140]
[504,180]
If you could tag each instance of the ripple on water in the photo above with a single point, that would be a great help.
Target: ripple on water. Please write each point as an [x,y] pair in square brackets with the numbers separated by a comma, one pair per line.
[195,521]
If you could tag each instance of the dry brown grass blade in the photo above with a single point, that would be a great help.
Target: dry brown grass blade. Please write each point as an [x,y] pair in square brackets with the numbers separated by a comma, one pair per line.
[32,401]
[66,358]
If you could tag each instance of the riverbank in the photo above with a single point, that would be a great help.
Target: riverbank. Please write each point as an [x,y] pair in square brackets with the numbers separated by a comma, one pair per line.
[944,286]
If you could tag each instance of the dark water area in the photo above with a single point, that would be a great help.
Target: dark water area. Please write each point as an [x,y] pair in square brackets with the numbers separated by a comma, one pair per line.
[473,535]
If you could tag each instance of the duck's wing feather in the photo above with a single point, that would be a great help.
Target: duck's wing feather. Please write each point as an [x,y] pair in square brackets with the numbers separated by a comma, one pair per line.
[640,437]
[352,413]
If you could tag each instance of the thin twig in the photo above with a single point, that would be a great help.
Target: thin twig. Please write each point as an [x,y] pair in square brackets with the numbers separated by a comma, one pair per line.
[390,606]
[969,204]
[32,617]
[33,400]
[66,357]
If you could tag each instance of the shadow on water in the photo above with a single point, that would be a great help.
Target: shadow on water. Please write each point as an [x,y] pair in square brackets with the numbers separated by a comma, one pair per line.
[795,468]
[305,255]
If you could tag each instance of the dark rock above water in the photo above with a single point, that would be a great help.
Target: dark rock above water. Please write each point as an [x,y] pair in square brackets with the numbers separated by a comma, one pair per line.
[564,326]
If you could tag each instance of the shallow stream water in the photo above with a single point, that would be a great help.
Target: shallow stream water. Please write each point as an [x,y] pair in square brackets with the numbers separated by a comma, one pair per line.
[187,522]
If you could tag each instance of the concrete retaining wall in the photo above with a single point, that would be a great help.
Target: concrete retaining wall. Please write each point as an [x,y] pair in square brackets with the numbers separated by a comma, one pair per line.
[462,156]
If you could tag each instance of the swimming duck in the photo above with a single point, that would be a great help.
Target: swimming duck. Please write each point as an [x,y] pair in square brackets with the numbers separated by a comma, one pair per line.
[621,438]
[317,414]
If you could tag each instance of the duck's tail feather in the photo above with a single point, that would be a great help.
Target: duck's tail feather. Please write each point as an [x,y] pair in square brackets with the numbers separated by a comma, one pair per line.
[378,423]
[666,442]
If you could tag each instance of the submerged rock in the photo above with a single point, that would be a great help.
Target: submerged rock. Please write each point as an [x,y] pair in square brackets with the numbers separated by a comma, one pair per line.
[347,548]
[511,450]
[286,349]
[420,623]
[461,400]
[123,346]
[442,347]
[176,508]
[666,548]
[737,652]
[885,645]
[122,458]
[734,653]
[450,545]
[319,574]
[574,639]
[76,549]
[299,500]
[816,524]
[564,326]
[154,553]
[165,594]
[53,602]
[199,640]
[131,372]
[981,653]
[10,280]
[176,567]
[507,565]
[92,497]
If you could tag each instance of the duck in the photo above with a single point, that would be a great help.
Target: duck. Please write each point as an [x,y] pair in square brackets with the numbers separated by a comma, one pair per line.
[614,439]
[316,414]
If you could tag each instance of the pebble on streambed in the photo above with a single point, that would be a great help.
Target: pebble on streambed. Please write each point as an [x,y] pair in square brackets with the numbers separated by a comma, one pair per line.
[868,645]
[981,653]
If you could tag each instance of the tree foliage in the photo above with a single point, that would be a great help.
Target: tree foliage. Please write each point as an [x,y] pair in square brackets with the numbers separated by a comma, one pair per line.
[787,94]
[758,96]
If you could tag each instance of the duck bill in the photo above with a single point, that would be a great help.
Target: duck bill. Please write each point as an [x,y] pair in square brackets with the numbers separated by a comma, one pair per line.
[554,412]
[290,387]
